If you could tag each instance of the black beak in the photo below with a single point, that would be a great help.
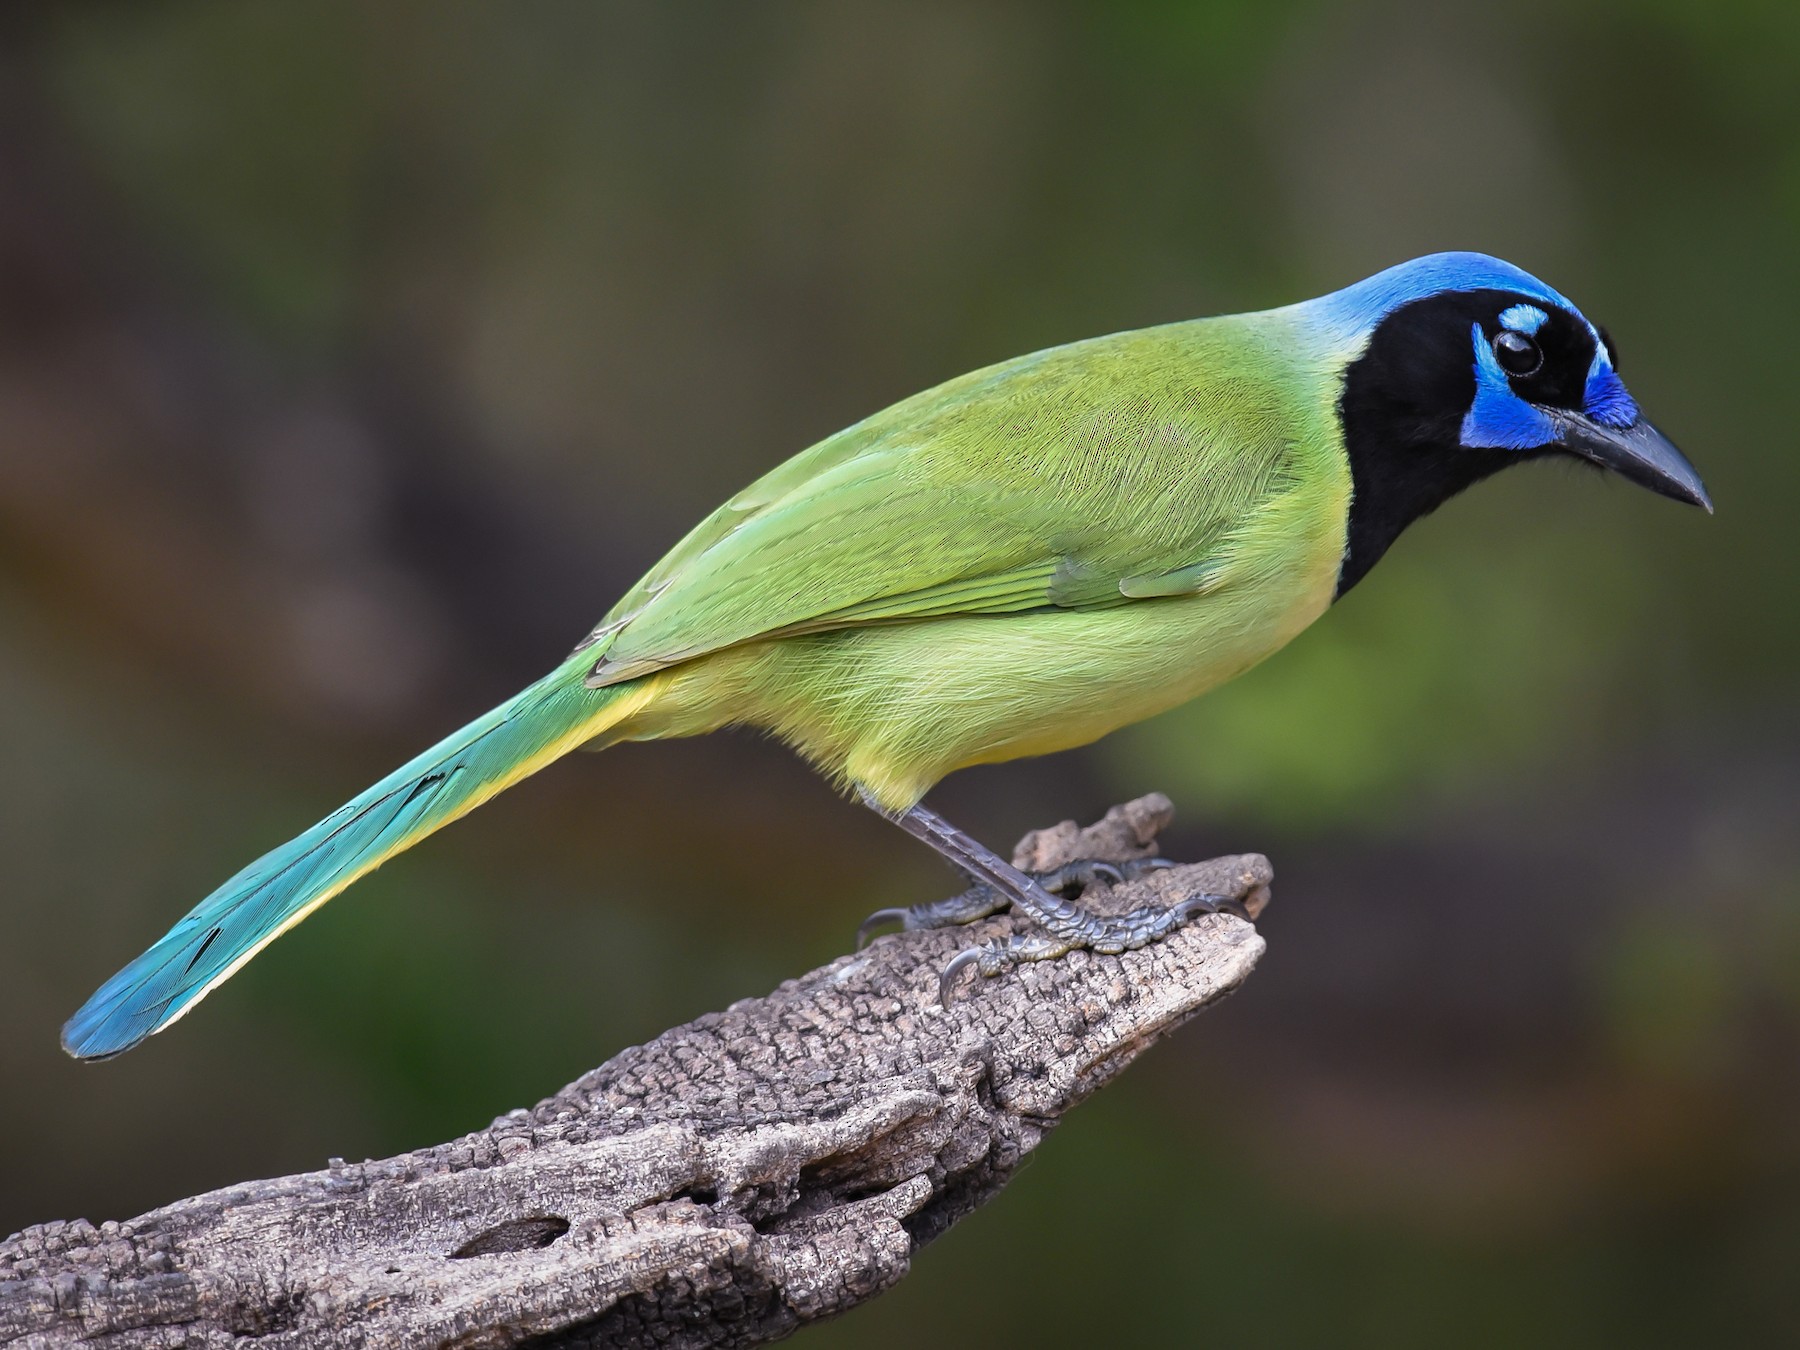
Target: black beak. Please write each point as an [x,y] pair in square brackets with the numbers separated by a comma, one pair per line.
[1639,452]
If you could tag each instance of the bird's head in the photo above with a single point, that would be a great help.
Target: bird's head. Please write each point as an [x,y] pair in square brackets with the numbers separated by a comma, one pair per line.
[1463,365]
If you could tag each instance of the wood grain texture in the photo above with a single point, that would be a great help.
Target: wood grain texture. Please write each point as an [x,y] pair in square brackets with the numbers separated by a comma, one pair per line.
[727,1183]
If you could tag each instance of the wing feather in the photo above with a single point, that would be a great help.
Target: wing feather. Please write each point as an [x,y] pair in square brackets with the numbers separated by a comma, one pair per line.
[1103,473]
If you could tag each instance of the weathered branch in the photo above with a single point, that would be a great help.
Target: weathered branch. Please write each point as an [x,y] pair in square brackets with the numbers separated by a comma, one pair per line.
[725,1184]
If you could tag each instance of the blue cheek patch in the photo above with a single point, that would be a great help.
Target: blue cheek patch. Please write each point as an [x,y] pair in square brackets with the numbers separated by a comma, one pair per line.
[1499,418]
[1604,399]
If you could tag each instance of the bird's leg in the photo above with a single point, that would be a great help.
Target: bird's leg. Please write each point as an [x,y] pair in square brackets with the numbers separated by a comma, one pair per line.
[985,897]
[1067,925]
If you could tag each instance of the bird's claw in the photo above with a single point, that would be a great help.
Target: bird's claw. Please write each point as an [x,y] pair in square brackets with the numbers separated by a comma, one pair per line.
[954,967]
[1072,878]
[1106,934]
[865,931]
[996,958]
[980,900]
[1196,905]
[965,907]
[1138,867]
[1079,875]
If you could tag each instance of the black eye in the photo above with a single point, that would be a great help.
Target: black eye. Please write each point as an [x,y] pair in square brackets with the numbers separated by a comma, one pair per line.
[1516,353]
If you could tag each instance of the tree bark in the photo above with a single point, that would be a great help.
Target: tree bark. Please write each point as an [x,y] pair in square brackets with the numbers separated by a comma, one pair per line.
[726,1184]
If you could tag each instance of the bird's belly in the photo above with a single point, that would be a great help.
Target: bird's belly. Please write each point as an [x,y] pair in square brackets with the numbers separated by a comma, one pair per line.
[895,709]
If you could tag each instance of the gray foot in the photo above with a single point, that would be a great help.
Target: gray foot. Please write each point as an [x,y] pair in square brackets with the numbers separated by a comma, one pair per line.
[1109,933]
[980,900]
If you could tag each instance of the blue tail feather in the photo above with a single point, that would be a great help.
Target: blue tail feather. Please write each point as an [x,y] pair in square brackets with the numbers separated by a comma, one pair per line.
[282,887]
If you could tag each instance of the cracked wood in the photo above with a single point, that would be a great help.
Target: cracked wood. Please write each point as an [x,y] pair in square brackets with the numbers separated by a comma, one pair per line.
[727,1183]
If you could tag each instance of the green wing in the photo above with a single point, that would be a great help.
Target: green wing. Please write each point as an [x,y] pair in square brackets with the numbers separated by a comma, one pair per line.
[1107,472]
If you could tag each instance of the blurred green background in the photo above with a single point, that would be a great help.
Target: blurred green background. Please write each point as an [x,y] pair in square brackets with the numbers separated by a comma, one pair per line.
[354,357]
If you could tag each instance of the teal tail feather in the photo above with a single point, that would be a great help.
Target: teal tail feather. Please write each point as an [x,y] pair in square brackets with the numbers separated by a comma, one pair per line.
[282,887]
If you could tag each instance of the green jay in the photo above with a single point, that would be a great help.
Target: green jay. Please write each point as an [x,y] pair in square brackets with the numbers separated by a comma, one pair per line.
[1015,562]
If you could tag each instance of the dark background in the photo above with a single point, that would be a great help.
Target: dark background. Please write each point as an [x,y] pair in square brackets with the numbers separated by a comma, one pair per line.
[353,358]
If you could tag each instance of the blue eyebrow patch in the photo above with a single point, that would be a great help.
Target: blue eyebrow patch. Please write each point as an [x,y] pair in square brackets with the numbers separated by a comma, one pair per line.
[1526,319]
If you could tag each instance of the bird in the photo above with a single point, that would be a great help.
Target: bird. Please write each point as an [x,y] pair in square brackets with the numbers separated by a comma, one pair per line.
[1017,561]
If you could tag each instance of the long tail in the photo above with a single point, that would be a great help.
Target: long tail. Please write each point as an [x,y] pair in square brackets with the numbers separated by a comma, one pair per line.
[282,887]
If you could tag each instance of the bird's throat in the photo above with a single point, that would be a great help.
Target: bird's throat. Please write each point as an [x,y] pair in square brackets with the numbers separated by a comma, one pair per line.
[1394,481]
[1400,412]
